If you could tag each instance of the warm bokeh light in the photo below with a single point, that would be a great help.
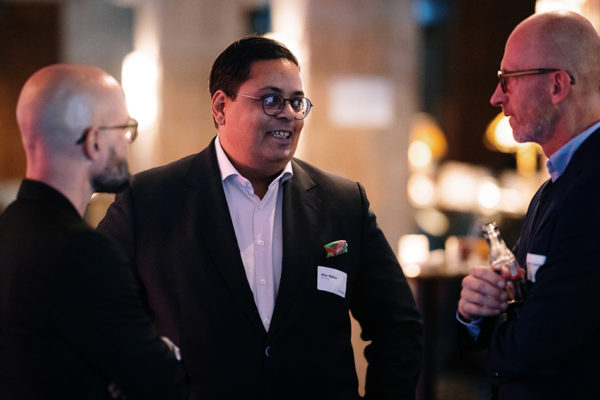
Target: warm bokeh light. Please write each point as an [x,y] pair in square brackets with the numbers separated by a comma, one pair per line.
[421,190]
[488,194]
[411,270]
[419,155]
[499,135]
[140,81]
[551,5]
[432,221]
[424,128]
[527,158]
[413,250]
[457,186]
[513,201]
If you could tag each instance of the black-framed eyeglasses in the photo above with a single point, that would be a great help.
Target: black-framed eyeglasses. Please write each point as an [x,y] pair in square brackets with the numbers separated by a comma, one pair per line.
[504,75]
[273,104]
[130,130]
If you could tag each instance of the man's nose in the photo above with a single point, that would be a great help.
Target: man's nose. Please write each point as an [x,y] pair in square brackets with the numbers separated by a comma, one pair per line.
[287,112]
[498,97]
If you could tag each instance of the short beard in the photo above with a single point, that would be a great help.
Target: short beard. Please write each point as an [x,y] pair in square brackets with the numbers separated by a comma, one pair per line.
[540,129]
[114,178]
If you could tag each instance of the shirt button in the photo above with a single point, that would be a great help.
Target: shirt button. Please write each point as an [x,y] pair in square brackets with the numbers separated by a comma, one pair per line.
[268,351]
[263,282]
[260,242]
[266,321]
[260,206]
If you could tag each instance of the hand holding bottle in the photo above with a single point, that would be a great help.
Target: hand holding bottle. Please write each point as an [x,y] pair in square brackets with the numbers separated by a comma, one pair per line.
[504,263]
[483,294]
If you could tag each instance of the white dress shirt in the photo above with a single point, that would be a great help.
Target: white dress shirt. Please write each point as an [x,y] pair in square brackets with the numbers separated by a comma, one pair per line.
[258,229]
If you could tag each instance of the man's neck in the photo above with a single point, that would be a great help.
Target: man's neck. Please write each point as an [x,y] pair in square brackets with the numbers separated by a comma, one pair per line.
[563,135]
[260,182]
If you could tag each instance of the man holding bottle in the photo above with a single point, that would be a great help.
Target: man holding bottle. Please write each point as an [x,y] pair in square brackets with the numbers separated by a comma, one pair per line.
[549,86]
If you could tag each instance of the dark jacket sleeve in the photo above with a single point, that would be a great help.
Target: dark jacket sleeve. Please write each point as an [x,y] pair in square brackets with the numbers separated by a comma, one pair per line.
[98,308]
[383,304]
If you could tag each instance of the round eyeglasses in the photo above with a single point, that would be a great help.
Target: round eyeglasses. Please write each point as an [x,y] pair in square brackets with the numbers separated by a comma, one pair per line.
[273,104]
[130,130]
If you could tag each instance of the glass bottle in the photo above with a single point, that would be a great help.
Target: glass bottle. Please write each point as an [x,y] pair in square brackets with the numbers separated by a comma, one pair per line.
[504,263]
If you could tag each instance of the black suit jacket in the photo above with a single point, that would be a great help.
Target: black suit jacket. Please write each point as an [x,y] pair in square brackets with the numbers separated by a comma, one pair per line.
[71,314]
[551,349]
[175,224]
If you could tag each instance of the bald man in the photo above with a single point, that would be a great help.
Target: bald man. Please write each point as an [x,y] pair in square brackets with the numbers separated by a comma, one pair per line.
[72,322]
[549,346]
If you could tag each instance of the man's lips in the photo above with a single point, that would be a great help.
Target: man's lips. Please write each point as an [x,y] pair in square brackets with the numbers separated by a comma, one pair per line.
[281,134]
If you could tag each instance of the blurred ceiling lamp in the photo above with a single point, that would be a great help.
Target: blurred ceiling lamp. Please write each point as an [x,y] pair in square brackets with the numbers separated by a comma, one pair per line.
[427,141]
[551,5]
[140,84]
[499,137]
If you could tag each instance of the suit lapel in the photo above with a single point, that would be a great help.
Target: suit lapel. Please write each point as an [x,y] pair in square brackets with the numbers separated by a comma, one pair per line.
[544,204]
[529,224]
[584,159]
[301,209]
[207,206]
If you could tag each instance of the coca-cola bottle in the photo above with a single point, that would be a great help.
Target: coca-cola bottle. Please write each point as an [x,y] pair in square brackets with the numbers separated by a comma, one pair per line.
[504,263]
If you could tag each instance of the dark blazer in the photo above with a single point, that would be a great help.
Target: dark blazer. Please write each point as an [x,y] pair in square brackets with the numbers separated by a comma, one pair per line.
[71,315]
[175,224]
[551,349]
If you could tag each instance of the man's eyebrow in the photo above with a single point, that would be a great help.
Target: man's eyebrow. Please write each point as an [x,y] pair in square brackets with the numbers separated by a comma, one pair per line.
[274,89]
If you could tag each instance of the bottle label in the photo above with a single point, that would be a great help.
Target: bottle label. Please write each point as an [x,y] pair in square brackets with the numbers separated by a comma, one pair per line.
[534,262]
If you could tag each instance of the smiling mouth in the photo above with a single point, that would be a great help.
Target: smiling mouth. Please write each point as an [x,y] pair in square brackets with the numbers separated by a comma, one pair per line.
[281,134]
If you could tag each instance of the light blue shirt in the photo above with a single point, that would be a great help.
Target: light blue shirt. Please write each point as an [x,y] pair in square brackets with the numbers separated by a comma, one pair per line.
[556,164]
[258,230]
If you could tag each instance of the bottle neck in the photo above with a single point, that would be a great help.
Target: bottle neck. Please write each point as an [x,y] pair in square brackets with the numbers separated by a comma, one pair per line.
[496,247]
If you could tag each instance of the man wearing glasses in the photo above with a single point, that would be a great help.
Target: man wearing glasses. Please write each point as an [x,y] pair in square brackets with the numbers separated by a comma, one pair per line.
[548,347]
[252,259]
[72,321]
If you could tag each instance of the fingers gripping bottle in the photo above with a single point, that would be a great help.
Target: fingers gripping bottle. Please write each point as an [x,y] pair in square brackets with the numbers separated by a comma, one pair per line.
[504,263]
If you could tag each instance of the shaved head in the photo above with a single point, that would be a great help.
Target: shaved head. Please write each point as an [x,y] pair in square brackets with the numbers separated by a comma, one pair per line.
[551,107]
[560,39]
[60,101]
[71,119]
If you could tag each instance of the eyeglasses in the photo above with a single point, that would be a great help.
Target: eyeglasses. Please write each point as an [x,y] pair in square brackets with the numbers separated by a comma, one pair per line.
[273,105]
[130,128]
[503,76]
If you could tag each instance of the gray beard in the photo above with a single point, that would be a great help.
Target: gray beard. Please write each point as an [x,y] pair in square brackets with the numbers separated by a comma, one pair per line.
[114,178]
[541,129]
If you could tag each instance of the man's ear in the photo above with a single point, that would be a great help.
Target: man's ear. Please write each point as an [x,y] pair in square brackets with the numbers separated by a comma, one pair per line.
[90,145]
[218,102]
[561,86]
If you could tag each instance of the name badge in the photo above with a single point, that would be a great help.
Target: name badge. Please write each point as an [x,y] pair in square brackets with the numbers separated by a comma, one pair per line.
[331,280]
[534,262]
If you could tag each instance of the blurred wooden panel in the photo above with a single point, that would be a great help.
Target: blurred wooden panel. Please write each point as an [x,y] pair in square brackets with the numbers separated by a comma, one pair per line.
[29,39]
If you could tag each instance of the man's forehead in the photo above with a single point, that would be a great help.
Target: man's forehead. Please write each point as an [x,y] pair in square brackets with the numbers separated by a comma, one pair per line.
[520,52]
[277,75]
